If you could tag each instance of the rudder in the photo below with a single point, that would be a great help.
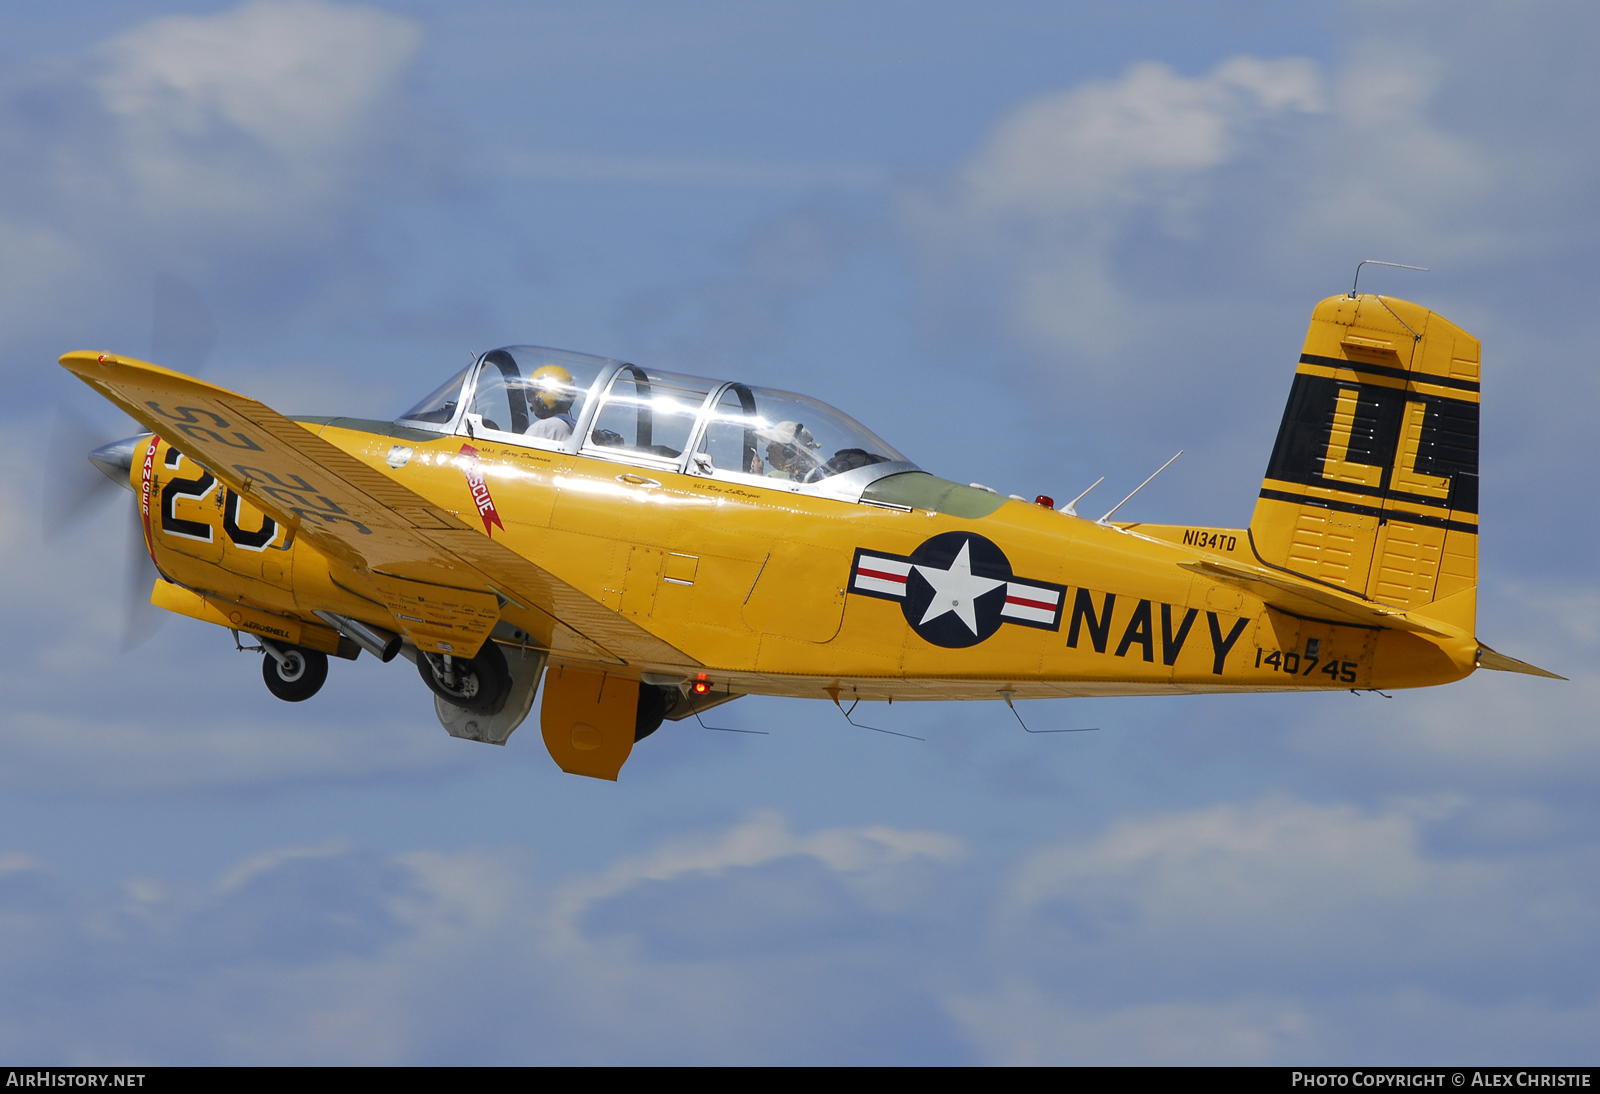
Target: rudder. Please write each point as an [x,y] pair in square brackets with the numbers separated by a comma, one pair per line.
[1373,482]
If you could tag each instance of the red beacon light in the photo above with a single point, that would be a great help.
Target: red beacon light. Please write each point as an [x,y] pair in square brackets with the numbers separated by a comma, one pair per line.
[1045,500]
[701,685]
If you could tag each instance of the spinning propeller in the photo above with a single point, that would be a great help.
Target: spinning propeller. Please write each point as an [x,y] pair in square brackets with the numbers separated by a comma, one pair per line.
[182,336]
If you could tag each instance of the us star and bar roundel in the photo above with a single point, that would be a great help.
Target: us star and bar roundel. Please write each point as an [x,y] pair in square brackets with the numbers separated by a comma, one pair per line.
[957,589]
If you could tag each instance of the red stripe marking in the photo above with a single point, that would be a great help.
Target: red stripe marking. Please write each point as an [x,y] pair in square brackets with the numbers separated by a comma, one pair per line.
[1040,604]
[880,575]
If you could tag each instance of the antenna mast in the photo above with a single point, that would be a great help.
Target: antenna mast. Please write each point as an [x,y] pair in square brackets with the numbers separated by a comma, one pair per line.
[1140,487]
[1379,262]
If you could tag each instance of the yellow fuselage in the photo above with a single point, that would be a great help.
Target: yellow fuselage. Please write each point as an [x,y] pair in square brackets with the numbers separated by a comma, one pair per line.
[756,586]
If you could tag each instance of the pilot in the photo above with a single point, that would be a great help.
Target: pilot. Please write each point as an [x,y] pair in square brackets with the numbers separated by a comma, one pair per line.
[550,398]
[789,447]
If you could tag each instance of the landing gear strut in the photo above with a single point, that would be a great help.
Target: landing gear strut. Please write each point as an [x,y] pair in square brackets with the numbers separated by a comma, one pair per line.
[478,683]
[293,673]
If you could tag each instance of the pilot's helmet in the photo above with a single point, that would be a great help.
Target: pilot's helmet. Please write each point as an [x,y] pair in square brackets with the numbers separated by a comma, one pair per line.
[790,433]
[551,391]
[785,442]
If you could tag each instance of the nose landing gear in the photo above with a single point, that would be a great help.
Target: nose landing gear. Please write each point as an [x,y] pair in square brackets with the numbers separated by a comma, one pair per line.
[293,673]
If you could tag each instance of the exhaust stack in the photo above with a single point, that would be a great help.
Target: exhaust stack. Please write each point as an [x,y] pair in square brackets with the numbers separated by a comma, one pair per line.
[382,644]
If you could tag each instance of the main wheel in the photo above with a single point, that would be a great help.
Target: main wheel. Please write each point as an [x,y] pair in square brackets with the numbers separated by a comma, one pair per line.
[299,678]
[655,703]
[479,683]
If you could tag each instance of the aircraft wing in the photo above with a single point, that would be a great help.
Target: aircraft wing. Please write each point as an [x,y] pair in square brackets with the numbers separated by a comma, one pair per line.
[411,550]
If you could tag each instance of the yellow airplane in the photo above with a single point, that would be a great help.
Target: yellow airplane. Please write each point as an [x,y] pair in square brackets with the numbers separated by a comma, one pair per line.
[652,544]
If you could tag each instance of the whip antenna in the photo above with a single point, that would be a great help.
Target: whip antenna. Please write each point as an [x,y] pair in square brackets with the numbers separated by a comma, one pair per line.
[1140,487]
[1071,508]
[1379,262]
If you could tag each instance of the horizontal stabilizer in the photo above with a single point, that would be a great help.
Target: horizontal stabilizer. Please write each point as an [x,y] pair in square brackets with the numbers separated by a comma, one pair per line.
[1488,659]
[1304,599]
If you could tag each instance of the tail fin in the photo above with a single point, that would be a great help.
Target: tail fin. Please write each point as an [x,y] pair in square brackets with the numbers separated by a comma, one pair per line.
[1373,482]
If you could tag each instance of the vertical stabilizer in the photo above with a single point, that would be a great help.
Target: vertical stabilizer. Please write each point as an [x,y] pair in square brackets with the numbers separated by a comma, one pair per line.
[1373,482]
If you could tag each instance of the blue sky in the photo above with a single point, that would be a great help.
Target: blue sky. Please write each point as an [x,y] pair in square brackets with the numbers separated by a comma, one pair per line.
[1029,244]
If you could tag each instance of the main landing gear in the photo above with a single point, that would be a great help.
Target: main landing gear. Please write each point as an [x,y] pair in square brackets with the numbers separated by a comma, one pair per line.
[478,684]
[655,703]
[479,698]
[293,673]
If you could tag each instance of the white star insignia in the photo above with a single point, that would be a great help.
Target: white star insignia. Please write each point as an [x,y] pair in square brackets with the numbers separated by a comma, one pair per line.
[955,590]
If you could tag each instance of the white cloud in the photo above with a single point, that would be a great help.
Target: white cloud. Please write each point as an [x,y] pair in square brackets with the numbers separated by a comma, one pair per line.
[327,955]
[195,143]
[1389,171]
[1217,868]
[862,855]
[1274,932]
[1104,145]
[1046,203]
[254,115]
[1114,219]
[1253,933]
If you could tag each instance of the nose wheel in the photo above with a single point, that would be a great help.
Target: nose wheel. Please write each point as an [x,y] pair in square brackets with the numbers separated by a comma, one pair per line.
[293,673]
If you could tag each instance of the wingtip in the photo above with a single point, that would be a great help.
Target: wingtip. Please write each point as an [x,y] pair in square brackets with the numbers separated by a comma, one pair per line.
[82,361]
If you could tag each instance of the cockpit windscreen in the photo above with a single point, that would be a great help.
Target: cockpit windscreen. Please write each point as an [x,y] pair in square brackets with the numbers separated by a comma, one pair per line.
[780,435]
[440,406]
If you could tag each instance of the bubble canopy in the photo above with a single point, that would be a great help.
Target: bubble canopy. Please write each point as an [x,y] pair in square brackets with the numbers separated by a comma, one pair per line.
[613,410]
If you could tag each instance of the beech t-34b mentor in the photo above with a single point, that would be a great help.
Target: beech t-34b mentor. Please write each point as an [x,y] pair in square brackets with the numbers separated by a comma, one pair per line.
[652,544]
